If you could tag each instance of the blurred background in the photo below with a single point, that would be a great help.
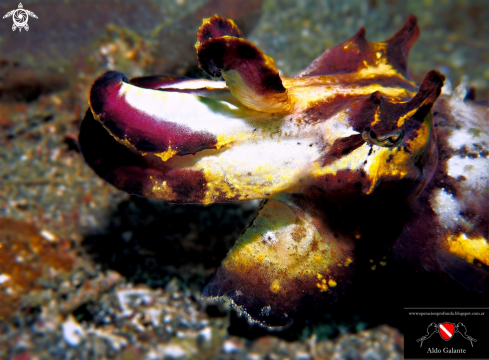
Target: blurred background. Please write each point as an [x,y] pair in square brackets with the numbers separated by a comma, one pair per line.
[88,272]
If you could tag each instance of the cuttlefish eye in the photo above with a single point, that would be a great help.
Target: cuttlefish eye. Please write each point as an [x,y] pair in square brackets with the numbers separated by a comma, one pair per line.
[391,139]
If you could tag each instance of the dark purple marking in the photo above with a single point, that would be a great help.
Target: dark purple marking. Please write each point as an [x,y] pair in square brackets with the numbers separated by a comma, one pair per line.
[217,27]
[157,82]
[342,147]
[132,172]
[340,60]
[225,54]
[143,131]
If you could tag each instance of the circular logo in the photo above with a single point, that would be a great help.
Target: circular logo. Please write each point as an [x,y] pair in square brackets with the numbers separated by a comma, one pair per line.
[20,17]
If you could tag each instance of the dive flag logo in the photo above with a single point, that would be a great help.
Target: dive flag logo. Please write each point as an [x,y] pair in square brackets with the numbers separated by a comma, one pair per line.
[446,330]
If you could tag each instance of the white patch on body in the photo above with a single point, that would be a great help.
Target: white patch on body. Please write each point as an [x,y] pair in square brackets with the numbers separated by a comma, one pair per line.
[447,208]
[336,128]
[276,161]
[473,122]
[304,245]
[471,136]
[195,84]
[270,238]
[187,110]
[474,170]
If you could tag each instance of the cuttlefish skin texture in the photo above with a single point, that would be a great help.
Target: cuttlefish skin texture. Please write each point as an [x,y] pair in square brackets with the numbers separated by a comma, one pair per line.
[349,151]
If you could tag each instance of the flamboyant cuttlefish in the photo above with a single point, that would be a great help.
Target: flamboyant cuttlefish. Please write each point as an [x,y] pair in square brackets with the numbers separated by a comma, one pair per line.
[348,154]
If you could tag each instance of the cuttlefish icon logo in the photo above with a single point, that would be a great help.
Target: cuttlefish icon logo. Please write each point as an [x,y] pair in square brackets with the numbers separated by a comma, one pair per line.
[20,17]
[446,331]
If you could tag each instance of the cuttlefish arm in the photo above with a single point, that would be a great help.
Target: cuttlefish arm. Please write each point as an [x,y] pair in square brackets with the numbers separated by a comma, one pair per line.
[286,261]
[250,75]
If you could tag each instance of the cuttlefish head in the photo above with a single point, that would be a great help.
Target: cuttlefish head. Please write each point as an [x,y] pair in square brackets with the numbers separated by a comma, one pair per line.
[384,144]
[378,132]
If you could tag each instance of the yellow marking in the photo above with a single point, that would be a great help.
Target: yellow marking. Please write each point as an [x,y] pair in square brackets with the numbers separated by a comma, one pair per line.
[334,80]
[306,96]
[383,69]
[353,161]
[348,261]
[332,283]
[226,139]
[285,261]
[378,54]
[400,161]
[265,181]
[373,267]
[469,249]
[379,167]
[322,287]
[162,191]
[422,135]
[403,118]
[275,287]
[376,117]
[165,155]
[383,263]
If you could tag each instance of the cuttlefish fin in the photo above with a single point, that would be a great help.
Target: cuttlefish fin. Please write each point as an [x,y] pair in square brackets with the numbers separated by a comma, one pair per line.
[285,262]
[357,53]
[250,75]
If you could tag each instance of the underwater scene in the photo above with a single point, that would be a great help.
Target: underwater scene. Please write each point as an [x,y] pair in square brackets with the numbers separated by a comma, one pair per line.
[262,179]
